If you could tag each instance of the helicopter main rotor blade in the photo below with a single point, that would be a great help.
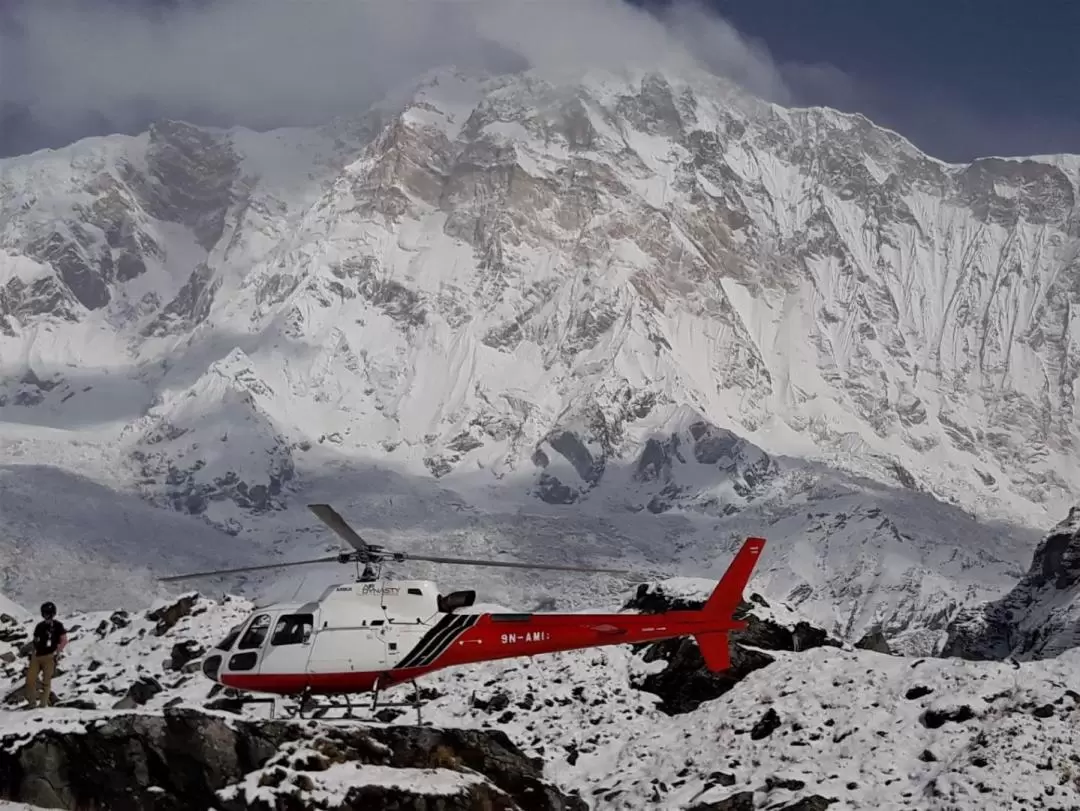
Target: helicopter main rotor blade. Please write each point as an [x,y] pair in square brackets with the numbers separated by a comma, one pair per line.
[329,516]
[401,556]
[263,567]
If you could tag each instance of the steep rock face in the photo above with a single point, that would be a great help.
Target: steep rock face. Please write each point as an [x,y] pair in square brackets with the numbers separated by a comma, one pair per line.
[1039,617]
[215,441]
[187,759]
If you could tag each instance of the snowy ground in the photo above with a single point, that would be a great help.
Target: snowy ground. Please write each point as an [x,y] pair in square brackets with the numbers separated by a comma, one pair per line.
[870,730]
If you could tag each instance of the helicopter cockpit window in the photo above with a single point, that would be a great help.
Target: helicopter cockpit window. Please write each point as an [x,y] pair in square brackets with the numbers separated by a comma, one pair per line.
[227,642]
[293,629]
[256,633]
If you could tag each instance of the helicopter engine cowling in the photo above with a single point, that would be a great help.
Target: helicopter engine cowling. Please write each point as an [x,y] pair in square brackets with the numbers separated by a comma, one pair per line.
[448,603]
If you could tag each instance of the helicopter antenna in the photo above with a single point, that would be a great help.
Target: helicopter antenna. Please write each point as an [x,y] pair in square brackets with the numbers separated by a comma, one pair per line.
[373,556]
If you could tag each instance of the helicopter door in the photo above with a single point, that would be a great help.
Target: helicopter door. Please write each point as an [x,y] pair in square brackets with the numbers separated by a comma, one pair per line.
[290,645]
[355,647]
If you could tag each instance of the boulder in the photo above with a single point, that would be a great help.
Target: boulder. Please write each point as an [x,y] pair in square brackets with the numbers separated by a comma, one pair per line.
[167,616]
[184,652]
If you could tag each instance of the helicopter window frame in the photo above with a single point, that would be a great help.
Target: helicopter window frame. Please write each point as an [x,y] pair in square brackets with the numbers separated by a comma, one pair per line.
[293,629]
[255,635]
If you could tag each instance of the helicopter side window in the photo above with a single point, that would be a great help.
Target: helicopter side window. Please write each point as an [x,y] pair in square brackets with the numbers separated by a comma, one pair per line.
[293,629]
[256,633]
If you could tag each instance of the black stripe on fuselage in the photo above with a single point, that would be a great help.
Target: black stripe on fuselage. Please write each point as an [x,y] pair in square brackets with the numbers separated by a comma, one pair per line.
[437,640]
[426,639]
[440,641]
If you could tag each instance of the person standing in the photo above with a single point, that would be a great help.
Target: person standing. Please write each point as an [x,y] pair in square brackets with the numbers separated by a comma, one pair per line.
[50,639]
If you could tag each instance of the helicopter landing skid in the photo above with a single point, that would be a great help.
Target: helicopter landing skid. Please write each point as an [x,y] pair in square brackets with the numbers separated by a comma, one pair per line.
[343,707]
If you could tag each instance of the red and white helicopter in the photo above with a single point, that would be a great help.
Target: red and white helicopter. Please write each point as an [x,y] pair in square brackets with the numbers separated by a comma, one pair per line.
[375,633]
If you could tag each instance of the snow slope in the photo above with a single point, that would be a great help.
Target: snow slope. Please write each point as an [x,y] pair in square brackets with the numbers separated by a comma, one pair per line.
[83,545]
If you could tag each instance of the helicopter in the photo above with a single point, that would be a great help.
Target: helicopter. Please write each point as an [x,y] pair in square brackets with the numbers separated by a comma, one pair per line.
[374,633]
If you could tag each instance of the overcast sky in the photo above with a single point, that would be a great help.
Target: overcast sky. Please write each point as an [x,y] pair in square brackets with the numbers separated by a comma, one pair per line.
[959,78]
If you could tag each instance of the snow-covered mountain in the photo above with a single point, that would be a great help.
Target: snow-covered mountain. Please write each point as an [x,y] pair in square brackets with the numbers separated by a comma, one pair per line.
[648,303]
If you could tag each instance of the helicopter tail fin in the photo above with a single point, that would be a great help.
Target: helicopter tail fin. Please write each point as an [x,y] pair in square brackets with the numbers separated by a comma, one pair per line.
[714,650]
[720,608]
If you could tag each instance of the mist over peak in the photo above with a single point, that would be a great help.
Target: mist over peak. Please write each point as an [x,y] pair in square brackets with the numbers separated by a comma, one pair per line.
[72,70]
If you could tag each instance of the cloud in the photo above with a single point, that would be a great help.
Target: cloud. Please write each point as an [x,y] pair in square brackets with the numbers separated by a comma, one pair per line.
[111,65]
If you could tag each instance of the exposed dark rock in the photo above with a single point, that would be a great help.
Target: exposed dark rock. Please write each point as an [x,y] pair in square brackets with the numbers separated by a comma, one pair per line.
[1036,618]
[184,652]
[86,275]
[766,725]
[573,449]
[11,630]
[190,306]
[553,491]
[739,801]
[736,460]
[190,175]
[139,693]
[814,802]
[184,758]
[1045,711]
[786,783]
[932,719]
[167,616]
[874,640]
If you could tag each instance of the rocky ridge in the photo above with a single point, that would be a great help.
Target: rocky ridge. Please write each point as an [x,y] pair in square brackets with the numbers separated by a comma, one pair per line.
[1039,617]
[183,758]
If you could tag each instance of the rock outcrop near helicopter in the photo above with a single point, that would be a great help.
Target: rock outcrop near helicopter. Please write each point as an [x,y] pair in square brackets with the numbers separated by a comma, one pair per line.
[183,759]
[685,683]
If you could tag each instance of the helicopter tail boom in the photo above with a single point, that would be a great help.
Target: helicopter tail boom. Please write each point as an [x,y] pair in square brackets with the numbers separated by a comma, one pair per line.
[465,639]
